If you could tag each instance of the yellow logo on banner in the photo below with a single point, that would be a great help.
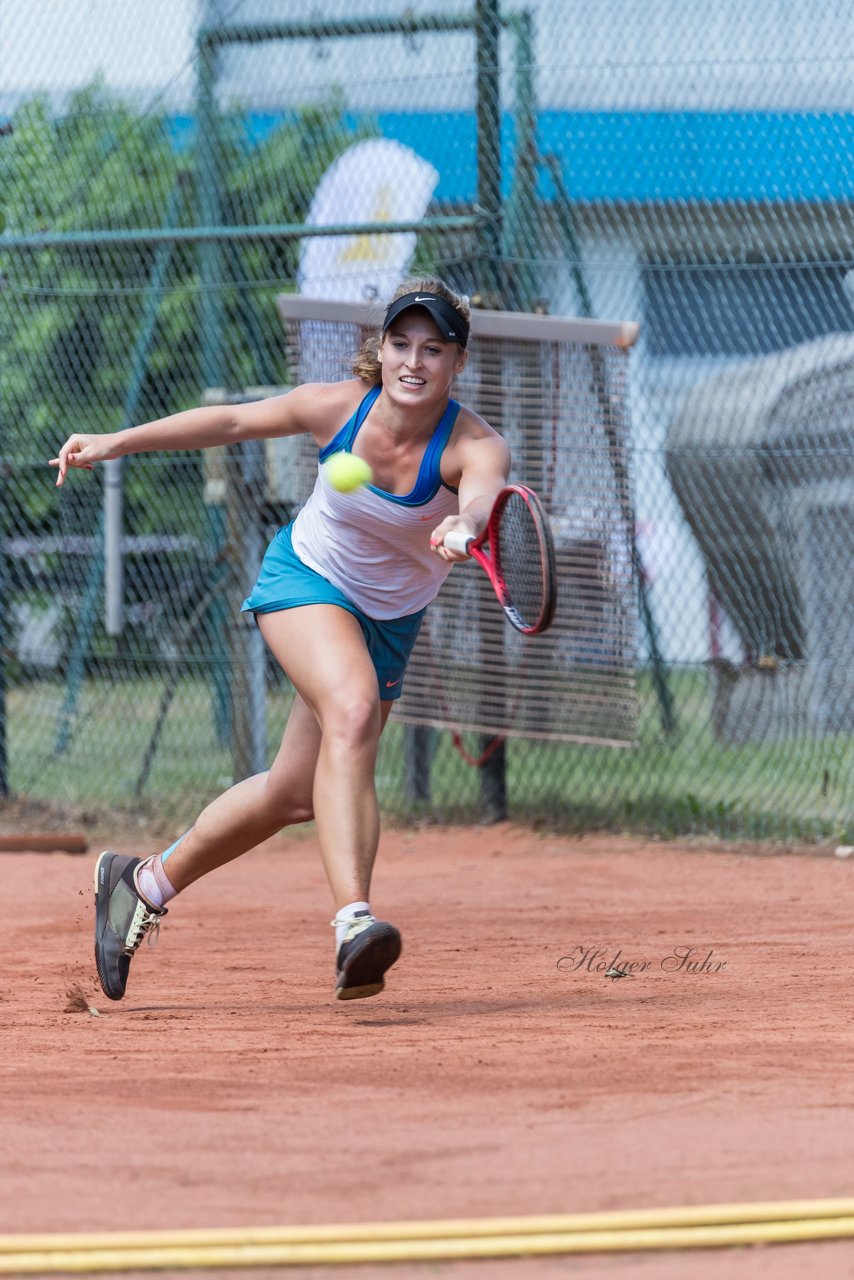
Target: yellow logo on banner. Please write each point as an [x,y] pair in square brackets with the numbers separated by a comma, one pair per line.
[375,247]
[377,182]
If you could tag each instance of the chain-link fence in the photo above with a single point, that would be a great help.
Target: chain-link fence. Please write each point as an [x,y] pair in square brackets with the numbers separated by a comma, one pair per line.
[689,170]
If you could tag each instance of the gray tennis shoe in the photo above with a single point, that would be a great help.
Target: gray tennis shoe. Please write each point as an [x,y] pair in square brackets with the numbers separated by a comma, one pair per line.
[369,948]
[122,920]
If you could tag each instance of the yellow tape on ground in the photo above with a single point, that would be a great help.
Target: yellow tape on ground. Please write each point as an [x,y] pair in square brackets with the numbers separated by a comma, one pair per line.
[424,1250]
[451,1228]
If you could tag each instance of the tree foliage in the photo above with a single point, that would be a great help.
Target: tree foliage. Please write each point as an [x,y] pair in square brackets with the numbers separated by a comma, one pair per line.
[72,317]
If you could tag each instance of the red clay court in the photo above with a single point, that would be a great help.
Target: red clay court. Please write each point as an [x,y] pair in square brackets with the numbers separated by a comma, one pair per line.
[229,1089]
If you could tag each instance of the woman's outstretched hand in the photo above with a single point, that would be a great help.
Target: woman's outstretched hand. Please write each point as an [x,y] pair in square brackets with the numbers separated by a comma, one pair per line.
[83,452]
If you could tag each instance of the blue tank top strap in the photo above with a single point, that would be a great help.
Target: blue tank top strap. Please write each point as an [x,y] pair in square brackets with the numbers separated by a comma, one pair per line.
[429,479]
[429,473]
[344,438]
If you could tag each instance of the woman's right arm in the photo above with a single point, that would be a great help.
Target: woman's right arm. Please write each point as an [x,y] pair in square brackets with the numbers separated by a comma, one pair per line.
[284,415]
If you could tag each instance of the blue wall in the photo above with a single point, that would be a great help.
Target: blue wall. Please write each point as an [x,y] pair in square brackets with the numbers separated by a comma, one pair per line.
[650,156]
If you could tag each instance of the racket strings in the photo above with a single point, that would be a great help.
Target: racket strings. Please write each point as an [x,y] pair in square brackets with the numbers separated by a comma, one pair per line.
[519,546]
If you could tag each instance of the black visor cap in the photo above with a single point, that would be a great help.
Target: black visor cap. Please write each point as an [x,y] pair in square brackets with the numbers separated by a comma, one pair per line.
[452,326]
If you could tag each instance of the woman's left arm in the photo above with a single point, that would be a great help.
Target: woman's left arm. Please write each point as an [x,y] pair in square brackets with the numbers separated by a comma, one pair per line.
[484,462]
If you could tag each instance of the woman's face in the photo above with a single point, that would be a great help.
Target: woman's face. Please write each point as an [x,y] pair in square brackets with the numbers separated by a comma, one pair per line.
[418,365]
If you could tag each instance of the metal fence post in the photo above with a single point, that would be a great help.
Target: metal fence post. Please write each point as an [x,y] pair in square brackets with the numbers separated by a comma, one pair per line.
[487,26]
[487,18]
[212,372]
[4,624]
[493,785]
[245,479]
[418,754]
[521,220]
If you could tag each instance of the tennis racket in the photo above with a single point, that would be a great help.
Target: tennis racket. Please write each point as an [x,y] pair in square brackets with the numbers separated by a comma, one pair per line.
[517,552]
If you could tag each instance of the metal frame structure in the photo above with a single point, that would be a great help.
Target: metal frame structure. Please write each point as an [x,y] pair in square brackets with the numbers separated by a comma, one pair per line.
[484,324]
[514,341]
[486,23]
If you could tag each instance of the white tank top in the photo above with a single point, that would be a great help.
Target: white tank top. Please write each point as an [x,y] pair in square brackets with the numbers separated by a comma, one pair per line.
[375,546]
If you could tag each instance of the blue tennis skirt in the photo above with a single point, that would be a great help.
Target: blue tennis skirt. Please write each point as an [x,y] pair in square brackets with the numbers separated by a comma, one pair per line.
[284,582]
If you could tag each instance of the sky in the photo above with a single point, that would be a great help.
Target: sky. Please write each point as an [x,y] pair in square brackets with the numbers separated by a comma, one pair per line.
[59,45]
[591,54]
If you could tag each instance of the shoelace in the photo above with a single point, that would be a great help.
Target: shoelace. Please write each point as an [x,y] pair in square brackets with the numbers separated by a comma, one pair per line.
[143,922]
[355,926]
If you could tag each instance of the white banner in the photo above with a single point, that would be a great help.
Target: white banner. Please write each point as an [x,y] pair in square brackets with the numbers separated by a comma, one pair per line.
[375,181]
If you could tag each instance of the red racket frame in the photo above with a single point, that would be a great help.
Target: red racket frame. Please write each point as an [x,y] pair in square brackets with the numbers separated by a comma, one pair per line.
[490,560]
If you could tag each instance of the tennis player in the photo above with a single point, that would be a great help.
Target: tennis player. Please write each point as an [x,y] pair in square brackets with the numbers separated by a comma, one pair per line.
[339,600]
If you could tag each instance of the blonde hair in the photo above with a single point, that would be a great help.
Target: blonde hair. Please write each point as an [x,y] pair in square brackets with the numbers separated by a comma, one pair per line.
[366,365]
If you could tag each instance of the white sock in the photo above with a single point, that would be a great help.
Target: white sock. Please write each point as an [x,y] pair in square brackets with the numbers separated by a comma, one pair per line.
[153,882]
[344,916]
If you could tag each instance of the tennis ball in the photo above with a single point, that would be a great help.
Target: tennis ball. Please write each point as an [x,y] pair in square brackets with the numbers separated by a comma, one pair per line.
[345,472]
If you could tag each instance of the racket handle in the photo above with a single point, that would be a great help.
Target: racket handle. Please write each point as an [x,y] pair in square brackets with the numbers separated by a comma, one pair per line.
[458,541]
